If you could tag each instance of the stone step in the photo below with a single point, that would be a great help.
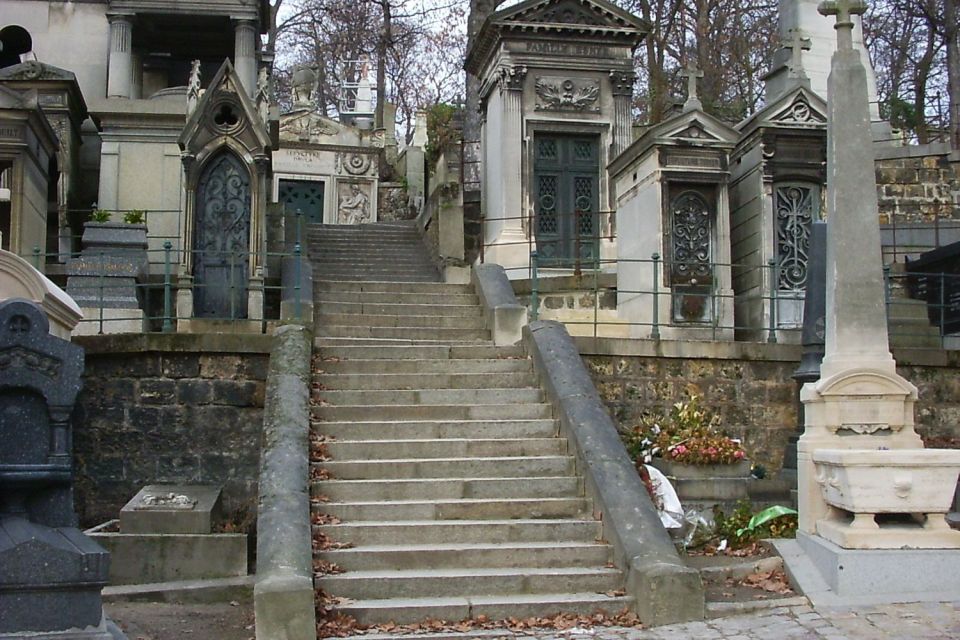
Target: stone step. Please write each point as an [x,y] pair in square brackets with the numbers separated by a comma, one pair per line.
[373,272]
[346,352]
[399,297]
[454,367]
[352,256]
[332,341]
[426,449]
[461,531]
[431,396]
[401,276]
[482,467]
[446,310]
[375,585]
[407,333]
[397,287]
[424,430]
[494,607]
[377,413]
[469,556]
[378,320]
[468,509]
[398,381]
[449,488]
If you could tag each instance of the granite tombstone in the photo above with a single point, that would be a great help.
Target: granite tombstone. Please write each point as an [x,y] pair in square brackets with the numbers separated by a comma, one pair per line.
[50,573]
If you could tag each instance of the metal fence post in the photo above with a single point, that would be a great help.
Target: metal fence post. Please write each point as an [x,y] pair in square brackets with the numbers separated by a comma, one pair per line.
[774,285]
[655,331]
[233,286]
[296,285]
[36,258]
[943,307]
[534,287]
[300,227]
[167,293]
[100,280]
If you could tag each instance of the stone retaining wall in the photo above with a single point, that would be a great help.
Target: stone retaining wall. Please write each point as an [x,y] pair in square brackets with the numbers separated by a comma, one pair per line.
[913,189]
[748,385]
[168,408]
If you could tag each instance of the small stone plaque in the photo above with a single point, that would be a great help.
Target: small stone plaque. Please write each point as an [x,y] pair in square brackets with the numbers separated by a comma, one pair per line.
[171,509]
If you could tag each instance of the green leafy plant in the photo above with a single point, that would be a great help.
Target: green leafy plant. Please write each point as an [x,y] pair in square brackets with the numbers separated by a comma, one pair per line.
[744,527]
[689,434]
[441,131]
[135,216]
[100,215]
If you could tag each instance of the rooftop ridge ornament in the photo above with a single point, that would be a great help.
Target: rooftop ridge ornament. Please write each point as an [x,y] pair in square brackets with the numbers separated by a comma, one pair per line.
[844,10]
[797,44]
[692,73]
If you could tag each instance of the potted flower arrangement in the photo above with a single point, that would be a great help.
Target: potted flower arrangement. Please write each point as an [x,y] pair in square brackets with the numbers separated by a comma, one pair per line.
[687,442]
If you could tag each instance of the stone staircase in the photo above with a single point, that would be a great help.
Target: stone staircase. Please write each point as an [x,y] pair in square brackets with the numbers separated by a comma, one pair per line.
[447,478]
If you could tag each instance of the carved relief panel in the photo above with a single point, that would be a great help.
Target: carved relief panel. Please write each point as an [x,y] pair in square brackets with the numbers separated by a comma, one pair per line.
[567,94]
[355,203]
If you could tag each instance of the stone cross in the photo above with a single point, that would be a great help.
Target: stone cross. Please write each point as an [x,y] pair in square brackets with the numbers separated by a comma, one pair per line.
[692,73]
[798,43]
[844,10]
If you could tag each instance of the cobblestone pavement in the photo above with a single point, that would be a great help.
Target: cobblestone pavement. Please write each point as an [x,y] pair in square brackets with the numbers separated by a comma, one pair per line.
[886,622]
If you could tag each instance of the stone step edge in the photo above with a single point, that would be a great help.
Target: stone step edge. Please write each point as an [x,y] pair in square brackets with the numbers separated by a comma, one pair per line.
[441,501]
[461,459]
[462,546]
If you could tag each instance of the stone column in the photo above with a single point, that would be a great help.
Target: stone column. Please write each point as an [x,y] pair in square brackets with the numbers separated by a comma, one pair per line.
[509,173]
[120,65]
[860,402]
[622,89]
[245,53]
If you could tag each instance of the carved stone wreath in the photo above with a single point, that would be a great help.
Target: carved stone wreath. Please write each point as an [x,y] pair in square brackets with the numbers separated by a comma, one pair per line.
[567,94]
[355,164]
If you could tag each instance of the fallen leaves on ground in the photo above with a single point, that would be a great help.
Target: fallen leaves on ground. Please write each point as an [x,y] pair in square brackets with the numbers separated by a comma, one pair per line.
[771,581]
[324,518]
[334,624]
[322,567]
[320,473]
[319,452]
[323,542]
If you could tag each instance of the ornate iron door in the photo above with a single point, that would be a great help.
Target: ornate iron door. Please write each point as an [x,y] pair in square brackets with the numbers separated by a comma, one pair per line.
[303,196]
[566,200]
[221,240]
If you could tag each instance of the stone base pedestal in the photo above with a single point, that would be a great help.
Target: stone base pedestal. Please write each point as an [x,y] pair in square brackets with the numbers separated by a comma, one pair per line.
[114,321]
[50,582]
[851,532]
[914,574]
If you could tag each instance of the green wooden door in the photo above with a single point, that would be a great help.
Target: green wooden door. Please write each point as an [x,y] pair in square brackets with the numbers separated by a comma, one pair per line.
[303,196]
[566,200]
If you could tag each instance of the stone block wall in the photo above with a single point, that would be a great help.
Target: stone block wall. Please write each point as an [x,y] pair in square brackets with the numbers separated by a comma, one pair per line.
[916,189]
[748,385]
[168,408]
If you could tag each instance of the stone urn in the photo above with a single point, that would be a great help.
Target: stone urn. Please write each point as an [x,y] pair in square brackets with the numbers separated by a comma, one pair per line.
[706,485]
[115,238]
[860,484]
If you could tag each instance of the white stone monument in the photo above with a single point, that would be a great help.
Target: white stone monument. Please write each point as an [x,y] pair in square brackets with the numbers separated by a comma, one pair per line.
[865,485]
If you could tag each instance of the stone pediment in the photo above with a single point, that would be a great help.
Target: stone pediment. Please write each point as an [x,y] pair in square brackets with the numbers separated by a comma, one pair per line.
[12,99]
[225,111]
[568,13]
[589,20]
[800,108]
[33,70]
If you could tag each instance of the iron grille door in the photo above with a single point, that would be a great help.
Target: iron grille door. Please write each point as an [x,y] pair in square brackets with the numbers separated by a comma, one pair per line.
[307,197]
[566,200]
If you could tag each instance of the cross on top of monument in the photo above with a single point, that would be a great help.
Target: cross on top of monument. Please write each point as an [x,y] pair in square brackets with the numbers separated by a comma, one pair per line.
[692,73]
[798,43]
[844,10]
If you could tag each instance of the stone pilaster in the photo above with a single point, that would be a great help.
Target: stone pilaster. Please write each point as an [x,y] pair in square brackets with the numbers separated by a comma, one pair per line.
[120,64]
[622,89]
[511,167]
[245,53]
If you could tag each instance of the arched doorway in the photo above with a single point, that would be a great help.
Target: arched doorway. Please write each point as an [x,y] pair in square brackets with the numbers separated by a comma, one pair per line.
[221,238]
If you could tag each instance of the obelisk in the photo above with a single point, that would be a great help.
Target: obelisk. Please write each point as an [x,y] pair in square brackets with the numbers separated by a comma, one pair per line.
[860,401]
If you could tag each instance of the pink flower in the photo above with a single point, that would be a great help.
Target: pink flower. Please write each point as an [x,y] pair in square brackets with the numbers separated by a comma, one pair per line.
[679,450]
[739,454]
[712,451]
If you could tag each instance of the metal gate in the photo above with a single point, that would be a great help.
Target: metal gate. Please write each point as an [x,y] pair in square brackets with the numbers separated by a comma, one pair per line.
[221,240]
[566,200]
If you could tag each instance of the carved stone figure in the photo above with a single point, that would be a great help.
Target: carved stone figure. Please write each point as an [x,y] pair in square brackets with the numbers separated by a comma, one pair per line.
[354,205]
[304,81]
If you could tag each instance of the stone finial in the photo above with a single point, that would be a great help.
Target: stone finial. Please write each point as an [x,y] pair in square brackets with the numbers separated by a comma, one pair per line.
[798,43]
[193,88]
[844,10]
[692,73]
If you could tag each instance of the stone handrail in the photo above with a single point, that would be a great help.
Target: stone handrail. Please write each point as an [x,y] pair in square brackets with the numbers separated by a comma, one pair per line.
[504,315]
[283,593]
[665,589]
